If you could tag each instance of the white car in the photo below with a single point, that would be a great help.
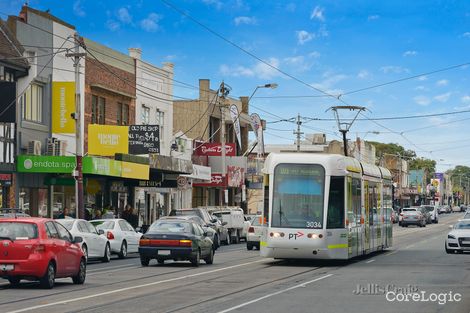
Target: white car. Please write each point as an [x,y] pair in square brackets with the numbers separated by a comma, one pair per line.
[254,233]
[458,239]
[122,237]
[94,245]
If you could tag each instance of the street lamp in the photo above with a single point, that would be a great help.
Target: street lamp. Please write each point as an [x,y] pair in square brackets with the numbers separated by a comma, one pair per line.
[271,85]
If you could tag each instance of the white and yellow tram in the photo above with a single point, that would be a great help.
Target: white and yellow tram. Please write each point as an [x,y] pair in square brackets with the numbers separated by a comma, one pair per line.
[324,206]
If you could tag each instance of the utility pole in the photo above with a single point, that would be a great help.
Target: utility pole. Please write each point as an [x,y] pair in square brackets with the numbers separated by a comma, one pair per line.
[78,172]
[298,132]
[223,92]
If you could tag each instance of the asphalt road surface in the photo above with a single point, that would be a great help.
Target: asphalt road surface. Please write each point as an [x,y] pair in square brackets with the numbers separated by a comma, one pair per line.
[241,281]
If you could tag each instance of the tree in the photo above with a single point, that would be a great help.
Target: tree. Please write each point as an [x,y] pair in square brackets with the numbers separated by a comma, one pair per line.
[422,163]
[392,148]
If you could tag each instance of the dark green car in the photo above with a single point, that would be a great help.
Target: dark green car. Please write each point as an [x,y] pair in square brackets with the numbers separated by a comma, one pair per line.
[177,240]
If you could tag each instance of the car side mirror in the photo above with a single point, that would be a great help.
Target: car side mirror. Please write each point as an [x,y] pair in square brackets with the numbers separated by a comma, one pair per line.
[204,234]
[224,223]
[213,220]
[138,229]
[100,231]
[77,239]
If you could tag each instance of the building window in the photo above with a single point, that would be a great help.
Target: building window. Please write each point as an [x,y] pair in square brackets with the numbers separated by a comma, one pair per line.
[31,102]
[6,75]
[161,123]
[123,114]
[98,108]
[145,118]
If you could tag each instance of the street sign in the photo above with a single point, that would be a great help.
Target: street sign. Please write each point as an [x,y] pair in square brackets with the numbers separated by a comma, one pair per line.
[182,182]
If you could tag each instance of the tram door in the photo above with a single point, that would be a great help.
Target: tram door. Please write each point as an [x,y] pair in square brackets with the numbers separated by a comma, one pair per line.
[366,216]
[354,216]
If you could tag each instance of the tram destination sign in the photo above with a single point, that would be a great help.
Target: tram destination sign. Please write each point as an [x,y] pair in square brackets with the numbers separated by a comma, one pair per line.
[144,139]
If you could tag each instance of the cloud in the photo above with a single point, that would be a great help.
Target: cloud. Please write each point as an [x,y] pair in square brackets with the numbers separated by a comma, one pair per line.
[394,69]
[304,36]
[410,53]
[78,9]
[329,81]
[150,24]
[373,17]
[442,82]
[465,99]
[314,54]
[422,100]
[124,16]
[259,70]
[322,31]
[216,3]
[422,78]
[443,98]
[421,88]
[466,35]
[245,20]
[112,25]
[317,13]
[363,74]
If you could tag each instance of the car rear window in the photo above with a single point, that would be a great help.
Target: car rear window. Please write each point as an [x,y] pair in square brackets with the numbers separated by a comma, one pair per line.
[408,210]
[170,227]
[18,231]
[66,223]
[103,224]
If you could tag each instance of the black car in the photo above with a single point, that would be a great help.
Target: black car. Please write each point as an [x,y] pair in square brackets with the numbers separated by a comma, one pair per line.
[176,240]
[211,233]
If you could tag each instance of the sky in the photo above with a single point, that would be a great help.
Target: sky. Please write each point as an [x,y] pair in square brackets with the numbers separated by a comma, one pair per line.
[320,53]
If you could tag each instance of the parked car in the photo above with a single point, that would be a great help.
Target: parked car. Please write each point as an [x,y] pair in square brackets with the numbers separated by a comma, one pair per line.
[443,209]
[95,245]
[235,220]
[254,233]
[428,212]
[123,238]
[196,219]
[458,239]
[467,215]
[412,216]
[208,219]
[455,208]
[39,249]
[178,240]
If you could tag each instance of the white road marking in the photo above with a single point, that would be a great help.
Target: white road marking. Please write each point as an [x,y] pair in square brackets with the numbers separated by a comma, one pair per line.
[108,268]
[370,261]
[274,294]
[391,253]
[131,288]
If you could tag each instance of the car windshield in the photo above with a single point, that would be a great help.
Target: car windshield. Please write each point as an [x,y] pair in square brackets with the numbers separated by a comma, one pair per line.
[462,225]
[256,221]
[103,224]
[428,208]
[170,227]
[409,210]
[66,223]
[18,230]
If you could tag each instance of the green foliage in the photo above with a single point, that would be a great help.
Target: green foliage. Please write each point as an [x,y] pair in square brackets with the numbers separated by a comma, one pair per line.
[460,177]
[423,163]
[392,148]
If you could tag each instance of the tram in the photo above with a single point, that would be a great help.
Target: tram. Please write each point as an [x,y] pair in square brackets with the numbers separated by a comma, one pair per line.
[324,206]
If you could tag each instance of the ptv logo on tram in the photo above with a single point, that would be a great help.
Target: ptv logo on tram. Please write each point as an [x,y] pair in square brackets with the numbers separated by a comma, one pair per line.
[296,235]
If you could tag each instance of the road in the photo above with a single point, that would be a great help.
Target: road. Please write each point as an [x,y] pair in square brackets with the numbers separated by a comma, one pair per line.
[241,281]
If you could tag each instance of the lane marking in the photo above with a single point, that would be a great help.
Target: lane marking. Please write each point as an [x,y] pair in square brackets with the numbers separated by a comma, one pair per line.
[370,261]
[108,268]
[131,288]
[390,253]
[275,294]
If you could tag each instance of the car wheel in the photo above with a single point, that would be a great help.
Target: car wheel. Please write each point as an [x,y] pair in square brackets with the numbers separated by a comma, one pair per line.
[107,254]
[81,275]
[195,261]
[85,251]
[258,246]
[210,258]
[14,281]
[144,261]
[123,253]
[48,280]
[161,261]
[249,246]
[216,242]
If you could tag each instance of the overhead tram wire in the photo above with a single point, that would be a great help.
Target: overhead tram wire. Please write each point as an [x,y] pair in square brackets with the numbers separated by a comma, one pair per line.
[26,88]
[171,5]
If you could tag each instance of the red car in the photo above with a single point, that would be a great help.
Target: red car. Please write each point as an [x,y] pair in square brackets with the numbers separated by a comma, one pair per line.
[39,249]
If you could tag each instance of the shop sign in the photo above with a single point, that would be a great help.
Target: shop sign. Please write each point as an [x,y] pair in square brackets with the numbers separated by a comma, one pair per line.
[102,166]
[118,186]
[217,180]
[63,105]
[135,170]
[45,164]
[5,179]
[236,176]
[166,163]
[107,140]
[144,139]
[215,149]
[149,183]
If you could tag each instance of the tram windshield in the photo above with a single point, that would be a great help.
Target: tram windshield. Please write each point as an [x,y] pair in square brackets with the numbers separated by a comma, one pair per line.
[298,196]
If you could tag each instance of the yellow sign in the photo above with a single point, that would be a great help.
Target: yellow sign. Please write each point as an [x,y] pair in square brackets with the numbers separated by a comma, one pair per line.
[135,170]
[107,140]
[63,105]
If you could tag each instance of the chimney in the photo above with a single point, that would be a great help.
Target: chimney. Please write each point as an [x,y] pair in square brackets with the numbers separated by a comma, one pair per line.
[204,90]
[135,53]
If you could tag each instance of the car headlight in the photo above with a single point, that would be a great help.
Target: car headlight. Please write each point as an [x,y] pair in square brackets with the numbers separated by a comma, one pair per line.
[450,236]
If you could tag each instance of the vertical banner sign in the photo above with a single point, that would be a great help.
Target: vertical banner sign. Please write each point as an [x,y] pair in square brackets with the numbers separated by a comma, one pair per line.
[63,105]
[107,140]
[236,123]
[258,129]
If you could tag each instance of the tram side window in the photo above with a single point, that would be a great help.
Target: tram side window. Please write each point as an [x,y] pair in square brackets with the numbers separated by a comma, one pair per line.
[335,217]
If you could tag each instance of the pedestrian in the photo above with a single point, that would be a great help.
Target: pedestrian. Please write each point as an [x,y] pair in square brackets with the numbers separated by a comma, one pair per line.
[97,213]
[65,213]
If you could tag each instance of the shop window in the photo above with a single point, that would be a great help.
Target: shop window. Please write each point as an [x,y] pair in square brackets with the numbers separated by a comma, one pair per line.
[98,110]
[123,114]
[145,118]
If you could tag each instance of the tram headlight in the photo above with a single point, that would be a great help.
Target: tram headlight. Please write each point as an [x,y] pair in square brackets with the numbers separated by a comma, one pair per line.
[276,234]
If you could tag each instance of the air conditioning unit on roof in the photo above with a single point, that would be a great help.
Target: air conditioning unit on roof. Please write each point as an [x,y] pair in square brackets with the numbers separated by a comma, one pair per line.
[34,147]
